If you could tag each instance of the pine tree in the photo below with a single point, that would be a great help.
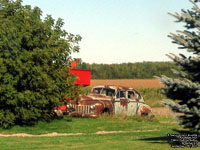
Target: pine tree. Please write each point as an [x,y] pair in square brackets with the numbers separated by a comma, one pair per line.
[185,90]
[34,64]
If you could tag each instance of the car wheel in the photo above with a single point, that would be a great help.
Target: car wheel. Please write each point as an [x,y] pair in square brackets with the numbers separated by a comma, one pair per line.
[105,112]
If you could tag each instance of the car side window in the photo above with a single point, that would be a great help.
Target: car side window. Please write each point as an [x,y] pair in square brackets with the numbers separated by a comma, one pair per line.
[121,94]
[131,95]
[110,92]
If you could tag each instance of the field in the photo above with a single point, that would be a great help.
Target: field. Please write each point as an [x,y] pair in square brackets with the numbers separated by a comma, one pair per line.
[135,83]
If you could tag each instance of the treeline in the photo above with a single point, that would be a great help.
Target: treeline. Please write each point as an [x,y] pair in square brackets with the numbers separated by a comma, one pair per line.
[141,70]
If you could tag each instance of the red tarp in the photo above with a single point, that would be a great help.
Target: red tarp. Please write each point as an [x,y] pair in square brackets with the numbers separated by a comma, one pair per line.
[83,76]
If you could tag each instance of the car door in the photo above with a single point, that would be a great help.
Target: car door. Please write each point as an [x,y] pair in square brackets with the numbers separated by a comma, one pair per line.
[121,102]
[133,104]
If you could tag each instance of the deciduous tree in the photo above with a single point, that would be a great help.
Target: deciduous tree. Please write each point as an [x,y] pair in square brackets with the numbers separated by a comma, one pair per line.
[35,55]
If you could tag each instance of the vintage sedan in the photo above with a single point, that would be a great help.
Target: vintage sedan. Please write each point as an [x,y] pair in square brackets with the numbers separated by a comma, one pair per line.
[109,100]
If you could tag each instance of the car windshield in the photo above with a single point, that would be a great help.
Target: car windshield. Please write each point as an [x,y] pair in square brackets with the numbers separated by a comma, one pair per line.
[97,90]
[108,92]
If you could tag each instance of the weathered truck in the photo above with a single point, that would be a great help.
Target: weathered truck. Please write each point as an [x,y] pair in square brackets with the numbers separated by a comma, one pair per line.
[109,100]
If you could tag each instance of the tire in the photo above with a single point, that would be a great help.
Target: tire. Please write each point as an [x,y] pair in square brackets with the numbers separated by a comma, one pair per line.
[105,112]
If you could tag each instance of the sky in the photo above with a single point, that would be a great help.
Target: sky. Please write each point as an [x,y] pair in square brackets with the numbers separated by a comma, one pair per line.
[118,31]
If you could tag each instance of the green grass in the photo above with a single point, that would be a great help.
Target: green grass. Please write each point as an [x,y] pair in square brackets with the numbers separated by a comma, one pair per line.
[138,137]
[124,141]
[87,125]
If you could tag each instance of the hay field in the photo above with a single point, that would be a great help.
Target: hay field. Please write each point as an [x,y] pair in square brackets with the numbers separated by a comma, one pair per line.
[135,83]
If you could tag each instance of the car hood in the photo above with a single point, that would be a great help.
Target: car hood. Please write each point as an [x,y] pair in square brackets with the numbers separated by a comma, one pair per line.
[96,97]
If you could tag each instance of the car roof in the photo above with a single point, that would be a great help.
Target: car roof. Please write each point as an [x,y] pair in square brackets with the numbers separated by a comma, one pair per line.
[114,87]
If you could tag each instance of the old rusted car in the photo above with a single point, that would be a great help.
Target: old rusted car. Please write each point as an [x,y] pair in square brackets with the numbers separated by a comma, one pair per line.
[109,100]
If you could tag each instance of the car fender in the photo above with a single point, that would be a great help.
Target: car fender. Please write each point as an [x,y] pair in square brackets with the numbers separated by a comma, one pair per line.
[144,109]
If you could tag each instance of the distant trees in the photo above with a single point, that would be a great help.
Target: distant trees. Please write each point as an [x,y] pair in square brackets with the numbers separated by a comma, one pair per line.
[143,70]
[34,61]
[185,90]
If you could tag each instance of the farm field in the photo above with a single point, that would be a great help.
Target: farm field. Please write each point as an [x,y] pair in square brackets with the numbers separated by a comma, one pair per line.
[135,83]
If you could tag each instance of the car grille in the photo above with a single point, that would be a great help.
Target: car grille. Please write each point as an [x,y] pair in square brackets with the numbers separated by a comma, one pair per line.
[84,109]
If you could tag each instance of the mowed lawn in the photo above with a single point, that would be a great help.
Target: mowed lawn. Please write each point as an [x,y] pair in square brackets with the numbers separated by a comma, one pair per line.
[131,133]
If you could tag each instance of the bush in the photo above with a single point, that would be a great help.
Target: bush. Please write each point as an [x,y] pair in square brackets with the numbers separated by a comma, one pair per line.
[34,64]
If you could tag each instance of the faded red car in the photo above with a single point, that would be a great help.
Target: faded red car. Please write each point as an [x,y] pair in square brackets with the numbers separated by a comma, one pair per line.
[109,100]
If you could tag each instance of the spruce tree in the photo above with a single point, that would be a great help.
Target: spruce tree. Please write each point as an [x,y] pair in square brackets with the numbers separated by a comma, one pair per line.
[185,89]
[35,56]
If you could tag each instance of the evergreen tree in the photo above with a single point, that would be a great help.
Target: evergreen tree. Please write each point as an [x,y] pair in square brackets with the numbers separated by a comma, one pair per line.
[185,90]
[34,64]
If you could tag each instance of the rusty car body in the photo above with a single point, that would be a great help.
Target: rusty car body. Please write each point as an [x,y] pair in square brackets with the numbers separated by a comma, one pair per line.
[107,99]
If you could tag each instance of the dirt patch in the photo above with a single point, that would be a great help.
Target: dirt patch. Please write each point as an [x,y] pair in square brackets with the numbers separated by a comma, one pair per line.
[69,134]
[111,132]
[42,135]
[169,122]
[163,111]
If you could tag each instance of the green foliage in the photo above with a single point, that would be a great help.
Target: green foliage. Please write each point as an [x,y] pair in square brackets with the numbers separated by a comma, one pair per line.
[186,88]
[152,96]
[144,70]
[83,91]
[34,61]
